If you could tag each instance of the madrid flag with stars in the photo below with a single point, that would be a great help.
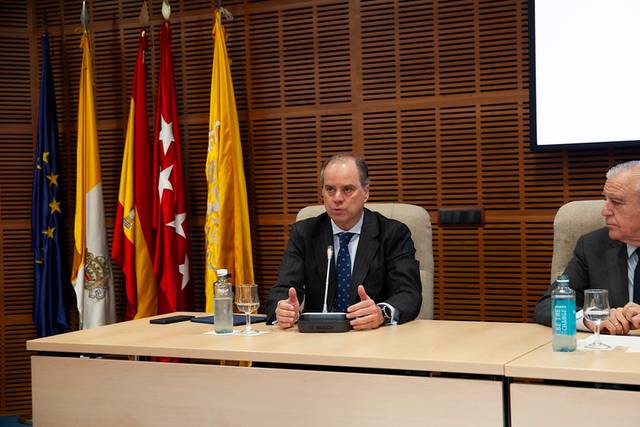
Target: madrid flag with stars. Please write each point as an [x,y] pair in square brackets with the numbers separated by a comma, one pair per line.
[170,220]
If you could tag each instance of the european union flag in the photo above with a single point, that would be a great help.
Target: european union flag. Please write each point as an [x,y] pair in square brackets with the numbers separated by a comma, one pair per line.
[49,311]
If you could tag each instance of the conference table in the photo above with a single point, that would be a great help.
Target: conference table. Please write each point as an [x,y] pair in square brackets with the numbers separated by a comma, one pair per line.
[425,372]
[582,388]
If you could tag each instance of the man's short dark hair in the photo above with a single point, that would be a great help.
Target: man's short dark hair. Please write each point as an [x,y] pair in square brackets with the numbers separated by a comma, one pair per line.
[363,169]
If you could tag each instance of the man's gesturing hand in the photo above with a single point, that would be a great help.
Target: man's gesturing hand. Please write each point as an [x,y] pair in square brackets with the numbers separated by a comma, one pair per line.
[365,314]
[287,310]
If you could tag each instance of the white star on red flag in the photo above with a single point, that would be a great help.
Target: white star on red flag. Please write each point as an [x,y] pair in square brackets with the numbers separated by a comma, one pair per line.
[166,134]
[177,224]
[163,182]
[184,270]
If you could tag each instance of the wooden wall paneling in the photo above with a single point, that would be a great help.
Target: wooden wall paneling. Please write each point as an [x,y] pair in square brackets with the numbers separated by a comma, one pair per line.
[336,134]
[17,71]
[196,136]
[418,158]
[197,47]
[16,175]
[458,156]
[16,392]
[269,243]
[178,33]
[537,250]
[416,49]
[15,323]
[458,274]
[379,68]
[197,265]
[300,183]
[501,43]
[502,269]
[265,71]
[382,151]
[456,47]
[299,49]
[18,274]
[544,180]
[268,161]
[586,174]
[332,55]
[501,178]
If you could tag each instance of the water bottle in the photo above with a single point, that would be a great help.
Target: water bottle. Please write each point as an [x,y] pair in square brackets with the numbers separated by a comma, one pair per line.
[223,303]
[563,316]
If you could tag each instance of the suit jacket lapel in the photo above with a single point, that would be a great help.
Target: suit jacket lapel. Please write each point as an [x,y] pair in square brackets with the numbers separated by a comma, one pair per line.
[367,248]
[616,259]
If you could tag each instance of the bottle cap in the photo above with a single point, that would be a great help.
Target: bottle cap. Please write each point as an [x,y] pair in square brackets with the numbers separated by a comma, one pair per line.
[221,272]
[563,278]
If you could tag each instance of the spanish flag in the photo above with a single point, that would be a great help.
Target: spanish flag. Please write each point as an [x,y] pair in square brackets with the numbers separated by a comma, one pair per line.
[227,231]
[91,274]
[133,242]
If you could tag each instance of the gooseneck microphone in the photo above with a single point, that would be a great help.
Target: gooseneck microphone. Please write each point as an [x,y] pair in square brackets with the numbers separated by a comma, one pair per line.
[326,282]
[324,321]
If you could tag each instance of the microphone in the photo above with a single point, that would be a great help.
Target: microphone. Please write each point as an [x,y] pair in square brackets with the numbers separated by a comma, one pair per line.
[326,282]
[324,321]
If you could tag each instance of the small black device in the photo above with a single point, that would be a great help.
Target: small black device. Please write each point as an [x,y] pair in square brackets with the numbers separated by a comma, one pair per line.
[171,319]
[324,322]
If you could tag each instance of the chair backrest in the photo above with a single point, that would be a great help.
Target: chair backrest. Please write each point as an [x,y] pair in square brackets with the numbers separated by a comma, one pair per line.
[419,223]
[572,221]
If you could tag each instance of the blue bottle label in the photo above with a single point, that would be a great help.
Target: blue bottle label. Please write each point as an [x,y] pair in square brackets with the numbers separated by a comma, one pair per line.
[564,316]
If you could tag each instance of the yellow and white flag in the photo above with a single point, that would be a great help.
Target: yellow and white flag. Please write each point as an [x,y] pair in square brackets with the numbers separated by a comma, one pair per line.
[91,274]
[227,231]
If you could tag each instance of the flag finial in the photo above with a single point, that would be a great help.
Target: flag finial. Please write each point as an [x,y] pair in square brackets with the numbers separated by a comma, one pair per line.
[228,16]
[166,10]
[84,16]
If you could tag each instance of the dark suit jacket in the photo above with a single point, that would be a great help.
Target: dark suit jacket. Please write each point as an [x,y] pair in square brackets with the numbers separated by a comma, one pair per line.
[598,262]
[385,264]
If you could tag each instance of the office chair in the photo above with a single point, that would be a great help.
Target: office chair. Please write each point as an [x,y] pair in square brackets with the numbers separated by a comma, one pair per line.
[572,220]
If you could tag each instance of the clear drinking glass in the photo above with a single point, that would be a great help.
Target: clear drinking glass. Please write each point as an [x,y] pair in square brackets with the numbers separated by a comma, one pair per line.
[247,302]
[596,310]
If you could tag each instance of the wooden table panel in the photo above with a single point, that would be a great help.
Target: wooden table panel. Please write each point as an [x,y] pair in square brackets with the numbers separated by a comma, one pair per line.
[98,392]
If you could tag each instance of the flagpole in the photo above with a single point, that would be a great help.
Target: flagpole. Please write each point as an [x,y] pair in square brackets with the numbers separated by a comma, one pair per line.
[91,276]
[227,227]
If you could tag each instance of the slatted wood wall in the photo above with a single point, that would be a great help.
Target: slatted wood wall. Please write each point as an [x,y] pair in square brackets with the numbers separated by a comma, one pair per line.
[434,94]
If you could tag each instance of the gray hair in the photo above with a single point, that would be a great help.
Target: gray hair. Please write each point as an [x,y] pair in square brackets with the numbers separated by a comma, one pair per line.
[624,167]
[633,168]
[363,169]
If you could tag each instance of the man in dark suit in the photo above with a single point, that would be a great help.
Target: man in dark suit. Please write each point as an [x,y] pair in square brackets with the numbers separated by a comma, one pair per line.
[383,281]
[607,258]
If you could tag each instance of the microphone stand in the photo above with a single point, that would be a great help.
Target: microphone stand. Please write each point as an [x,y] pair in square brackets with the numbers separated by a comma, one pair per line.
[324,321]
